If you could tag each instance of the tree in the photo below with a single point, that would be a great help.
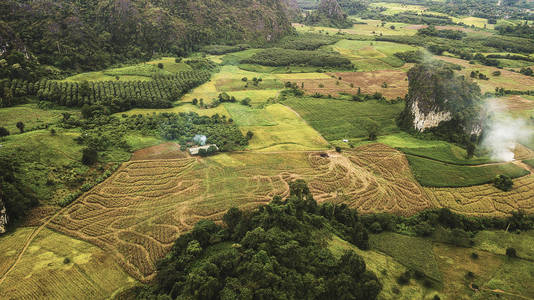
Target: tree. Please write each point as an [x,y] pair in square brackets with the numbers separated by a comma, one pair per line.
[250,134]
[178,60]
[89,156]
[195,101]
[503,182]
[372,128]
[87,111]
[3,132]
[20,126]
[471,147]
[232,217]
[160,66]
[511,252]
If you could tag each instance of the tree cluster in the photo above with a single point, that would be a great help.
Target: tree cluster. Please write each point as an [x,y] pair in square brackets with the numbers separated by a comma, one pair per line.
[276,57]
[116,95]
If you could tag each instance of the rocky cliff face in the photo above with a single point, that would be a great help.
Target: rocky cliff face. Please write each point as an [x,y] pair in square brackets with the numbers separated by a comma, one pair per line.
[3,217]
[438,98]
[331,9]
[293,11]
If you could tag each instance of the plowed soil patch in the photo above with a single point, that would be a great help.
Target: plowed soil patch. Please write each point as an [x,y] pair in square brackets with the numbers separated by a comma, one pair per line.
[163,151]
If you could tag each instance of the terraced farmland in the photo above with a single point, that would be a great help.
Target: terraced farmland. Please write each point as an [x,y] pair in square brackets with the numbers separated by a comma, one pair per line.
[486,199]
[138,212]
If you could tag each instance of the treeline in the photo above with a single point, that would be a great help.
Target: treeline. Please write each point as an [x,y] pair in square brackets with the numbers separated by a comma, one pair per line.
[101,131]
[465,46]
[276,57]
[415,18]
[521,30]
[223,49]
[277,251]
[444,33]
[118,95]
[306,41]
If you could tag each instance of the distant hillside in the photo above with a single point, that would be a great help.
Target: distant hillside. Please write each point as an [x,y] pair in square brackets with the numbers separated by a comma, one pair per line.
[328,13]
[92,34]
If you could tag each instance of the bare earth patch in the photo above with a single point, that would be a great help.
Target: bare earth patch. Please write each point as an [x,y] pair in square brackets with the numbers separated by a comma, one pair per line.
[163,151]
[368,82]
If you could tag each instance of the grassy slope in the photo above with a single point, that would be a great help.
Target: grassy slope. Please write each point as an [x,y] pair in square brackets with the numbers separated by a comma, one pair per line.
[31,115]
[386,268]
[438,174]
[142,71]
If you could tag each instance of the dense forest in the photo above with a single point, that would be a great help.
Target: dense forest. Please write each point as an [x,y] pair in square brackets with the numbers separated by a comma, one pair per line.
[88,35]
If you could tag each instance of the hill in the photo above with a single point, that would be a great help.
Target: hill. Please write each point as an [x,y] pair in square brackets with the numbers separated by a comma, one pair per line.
[442,102]
[94,34]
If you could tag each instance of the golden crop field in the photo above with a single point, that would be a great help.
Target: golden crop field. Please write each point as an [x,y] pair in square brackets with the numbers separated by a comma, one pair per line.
[139,211]
[486,200]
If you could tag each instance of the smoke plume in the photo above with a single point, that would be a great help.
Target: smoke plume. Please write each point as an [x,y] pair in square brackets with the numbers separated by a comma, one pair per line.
[502,133]
[200,139]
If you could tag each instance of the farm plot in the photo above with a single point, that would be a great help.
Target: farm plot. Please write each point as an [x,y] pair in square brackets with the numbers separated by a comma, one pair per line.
[163,151]
[507,80]
[372,55]
[390,83]
[486,200]
[276,128]
[139,211]
[340,119]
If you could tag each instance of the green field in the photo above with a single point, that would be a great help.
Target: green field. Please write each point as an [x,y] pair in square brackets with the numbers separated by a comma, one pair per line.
[280,129]
[412,252]
[372,55]
[438,174]
[142,71]
[387,269]
[342,119]
[32,116]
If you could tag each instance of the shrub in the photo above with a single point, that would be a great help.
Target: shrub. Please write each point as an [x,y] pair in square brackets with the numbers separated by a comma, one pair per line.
[89,156]
[160,65]
[66,260]
[3,132]
[338,149]
[511,252]
[404,278]
[503,183]
[474,255]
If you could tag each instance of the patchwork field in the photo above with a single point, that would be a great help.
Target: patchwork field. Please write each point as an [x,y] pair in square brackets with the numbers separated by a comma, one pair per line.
[508,80]
[137,213]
